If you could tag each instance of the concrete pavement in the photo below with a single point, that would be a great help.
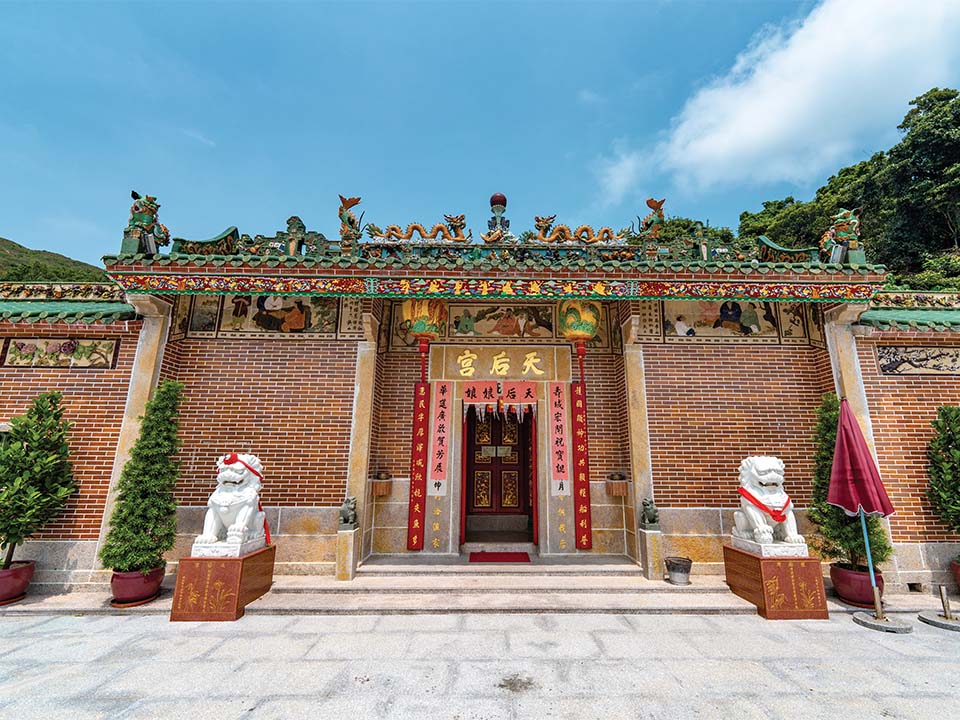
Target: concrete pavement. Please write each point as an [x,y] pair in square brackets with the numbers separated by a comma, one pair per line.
[472,666]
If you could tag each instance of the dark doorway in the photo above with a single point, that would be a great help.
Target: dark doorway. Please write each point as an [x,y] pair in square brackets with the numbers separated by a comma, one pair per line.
[499,477]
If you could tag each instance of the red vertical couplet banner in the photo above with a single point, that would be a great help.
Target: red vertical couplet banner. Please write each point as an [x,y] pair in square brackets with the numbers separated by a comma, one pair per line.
[439,438]
[419,462]
[581,467]
[559,456]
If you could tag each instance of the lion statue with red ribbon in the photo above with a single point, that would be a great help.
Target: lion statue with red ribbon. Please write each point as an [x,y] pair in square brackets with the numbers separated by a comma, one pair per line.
[234,515]
[766,511]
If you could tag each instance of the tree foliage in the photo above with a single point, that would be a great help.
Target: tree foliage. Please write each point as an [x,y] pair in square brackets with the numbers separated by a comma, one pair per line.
[36,477]
[910,194]
[143,524]
[840,536]
[943,455]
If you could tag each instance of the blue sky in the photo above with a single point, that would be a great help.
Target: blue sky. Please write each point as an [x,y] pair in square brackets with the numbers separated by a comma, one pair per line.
[243,113]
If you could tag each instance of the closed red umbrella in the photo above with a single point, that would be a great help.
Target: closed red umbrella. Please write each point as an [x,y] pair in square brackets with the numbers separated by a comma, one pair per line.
[855,484]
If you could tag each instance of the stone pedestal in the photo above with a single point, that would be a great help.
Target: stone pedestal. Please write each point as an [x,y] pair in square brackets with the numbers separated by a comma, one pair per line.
[781,588]
[346,553]
[227,549]
[650,542]
[220,588]
[769,550]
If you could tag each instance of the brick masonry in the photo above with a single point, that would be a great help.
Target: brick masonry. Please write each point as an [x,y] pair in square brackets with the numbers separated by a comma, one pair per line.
[901,410]
[94,400]
[710,406]
[290,402]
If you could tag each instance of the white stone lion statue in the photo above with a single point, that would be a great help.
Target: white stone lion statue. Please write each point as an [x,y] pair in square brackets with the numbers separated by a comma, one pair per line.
[234,518]
[766,511]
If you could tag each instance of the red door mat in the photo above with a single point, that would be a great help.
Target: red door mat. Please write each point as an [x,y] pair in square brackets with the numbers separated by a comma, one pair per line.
[500,557]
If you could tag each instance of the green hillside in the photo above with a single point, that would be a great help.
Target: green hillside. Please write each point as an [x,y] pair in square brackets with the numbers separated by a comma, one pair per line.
[21,264]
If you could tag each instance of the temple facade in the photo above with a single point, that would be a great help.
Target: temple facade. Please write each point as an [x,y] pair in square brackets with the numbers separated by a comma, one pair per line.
[543,390]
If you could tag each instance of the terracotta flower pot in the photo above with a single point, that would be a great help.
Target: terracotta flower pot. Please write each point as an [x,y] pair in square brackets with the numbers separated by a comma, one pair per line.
[135,588]
[853,586]
[14,581]
[955,566]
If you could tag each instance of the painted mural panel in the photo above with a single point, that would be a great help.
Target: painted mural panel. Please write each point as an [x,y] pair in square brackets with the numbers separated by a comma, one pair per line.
[275,316]
[60,353]
[815,325]
[700,321]
[502,321]
[252,315]
[793,323]
[896,360]
[204,315]
[180,321]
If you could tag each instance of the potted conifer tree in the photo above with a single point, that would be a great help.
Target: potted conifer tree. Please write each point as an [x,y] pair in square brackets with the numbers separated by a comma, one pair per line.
[943,455]
[143,524]
[840,536]
[36,480]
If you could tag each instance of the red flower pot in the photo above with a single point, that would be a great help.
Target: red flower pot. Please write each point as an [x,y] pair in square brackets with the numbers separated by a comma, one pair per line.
[955,566]
[14,581]
[135,588]
[853,586]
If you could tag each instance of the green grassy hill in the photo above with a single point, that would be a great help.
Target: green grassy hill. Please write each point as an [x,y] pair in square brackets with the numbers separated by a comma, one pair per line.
[21,264]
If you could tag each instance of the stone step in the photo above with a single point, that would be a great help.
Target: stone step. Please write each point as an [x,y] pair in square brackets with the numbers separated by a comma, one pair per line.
[490,585]
[447,565]
[554,602]
[498,546]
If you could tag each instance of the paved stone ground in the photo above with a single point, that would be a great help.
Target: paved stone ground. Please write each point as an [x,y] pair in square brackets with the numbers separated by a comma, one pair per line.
[473,666]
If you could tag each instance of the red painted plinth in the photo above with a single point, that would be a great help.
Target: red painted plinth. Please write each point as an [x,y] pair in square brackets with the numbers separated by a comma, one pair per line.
[781,588]
[220,588]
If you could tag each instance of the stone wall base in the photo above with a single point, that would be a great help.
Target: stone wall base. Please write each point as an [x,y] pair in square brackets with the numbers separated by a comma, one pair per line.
[924,564]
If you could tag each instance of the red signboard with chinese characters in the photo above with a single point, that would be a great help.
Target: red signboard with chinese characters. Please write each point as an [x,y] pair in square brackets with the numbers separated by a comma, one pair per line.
[518,393]
[419,462]
[559,455]
[484,392]
[440,438]
[581,466]
[491,392]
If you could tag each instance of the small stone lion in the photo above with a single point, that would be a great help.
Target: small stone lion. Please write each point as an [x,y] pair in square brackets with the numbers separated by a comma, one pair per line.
[649,515]
[766,511]
[233,510]
[348,513]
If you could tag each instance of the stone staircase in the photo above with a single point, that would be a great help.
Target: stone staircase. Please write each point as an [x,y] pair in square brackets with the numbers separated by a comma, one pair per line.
[453,585]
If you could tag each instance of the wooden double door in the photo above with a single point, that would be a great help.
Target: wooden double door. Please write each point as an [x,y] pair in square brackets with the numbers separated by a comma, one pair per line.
[499,476]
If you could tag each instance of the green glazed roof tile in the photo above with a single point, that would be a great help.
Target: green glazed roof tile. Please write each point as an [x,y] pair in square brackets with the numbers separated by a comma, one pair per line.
[68,311]
[900,319]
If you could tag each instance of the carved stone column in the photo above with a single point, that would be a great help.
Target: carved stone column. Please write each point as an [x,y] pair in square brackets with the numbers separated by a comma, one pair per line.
[360,430]
[847,378]
[143,379]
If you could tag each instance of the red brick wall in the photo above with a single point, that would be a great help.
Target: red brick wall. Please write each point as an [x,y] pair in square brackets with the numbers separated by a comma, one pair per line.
[290,402]
[606,414]
[94,402]
[390,450]
[901,409]
[710,406]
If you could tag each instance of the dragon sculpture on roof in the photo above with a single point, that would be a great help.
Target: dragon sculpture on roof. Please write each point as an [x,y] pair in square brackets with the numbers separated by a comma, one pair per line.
[547,233]
[452,231]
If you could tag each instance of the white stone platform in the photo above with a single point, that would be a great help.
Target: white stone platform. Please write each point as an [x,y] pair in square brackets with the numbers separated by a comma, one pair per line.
[771,550]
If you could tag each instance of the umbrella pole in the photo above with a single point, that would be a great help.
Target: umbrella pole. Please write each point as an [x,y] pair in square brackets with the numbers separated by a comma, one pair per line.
[878,608]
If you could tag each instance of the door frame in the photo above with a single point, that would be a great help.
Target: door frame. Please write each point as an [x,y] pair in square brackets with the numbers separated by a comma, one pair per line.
[534,472]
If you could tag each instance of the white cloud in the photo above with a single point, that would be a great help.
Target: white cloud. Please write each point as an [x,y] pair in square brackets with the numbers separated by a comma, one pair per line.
[618,175]
[198,136]
[804,99]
